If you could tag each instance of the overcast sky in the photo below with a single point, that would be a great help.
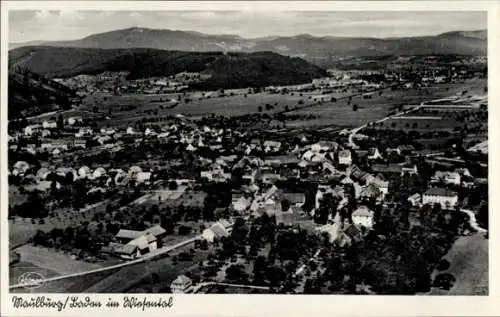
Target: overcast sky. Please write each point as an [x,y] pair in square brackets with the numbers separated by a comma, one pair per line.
[66,25]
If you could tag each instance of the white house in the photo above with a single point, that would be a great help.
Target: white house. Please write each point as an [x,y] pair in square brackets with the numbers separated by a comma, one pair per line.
[272,146]
[216,231]
[84,171]
[409,170]
[98,172]
[83,132]
[181,284]
[20,168]
[345,157]
[73,120]
[239,202]
[43,173]
[31,129]
[374,154]
[448,177]
[381,184]
[415,200]
[143,177]
[46,133]
[49,124]
[446,198]
[324,146]
[149,131]
[363,217]
[56,152]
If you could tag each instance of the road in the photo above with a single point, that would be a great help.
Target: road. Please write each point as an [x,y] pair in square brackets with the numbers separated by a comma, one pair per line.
[472,220]
[197,287]
[356,130]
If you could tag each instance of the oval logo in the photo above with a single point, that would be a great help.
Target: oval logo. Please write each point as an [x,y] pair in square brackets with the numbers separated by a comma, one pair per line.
[31,280]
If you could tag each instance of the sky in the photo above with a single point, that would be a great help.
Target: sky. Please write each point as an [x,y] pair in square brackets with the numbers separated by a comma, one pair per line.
[27,26]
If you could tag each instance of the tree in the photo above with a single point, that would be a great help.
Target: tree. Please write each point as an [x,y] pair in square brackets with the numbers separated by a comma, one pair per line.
[172,185]
[444,281]
[355,107]
[60,122]
[236,274]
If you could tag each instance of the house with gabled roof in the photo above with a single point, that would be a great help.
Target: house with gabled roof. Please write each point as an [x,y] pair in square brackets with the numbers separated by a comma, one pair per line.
[272,146]
[363,216]
[181,284]
[217,231]
[448,199]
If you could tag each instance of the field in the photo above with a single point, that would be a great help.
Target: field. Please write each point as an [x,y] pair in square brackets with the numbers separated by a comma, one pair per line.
[47,262]
[469,264]
[421,124]
[126,110]
[341,113]
[228,106]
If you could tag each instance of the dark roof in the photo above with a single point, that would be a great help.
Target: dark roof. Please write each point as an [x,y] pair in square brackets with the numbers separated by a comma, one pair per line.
[156,230]
[438,191]
[344,153]
[283,159]
[391,168]
[295,198]
[129,234]
[352,231]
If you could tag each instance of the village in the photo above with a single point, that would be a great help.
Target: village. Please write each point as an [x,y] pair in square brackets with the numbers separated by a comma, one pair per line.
[242,198]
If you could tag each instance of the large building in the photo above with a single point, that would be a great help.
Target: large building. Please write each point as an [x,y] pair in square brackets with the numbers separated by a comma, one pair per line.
[445,197]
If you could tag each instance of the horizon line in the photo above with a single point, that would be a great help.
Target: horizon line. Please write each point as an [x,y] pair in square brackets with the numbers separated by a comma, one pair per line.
[253,38]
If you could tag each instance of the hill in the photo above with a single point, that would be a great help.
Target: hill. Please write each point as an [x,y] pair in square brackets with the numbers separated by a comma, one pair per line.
[320,50]
[31,94]
[233,70]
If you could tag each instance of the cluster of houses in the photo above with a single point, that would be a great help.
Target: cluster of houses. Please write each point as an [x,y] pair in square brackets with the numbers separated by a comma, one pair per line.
[117,82]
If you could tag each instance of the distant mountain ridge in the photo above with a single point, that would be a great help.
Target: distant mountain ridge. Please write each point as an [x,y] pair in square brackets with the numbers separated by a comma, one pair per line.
[312,48]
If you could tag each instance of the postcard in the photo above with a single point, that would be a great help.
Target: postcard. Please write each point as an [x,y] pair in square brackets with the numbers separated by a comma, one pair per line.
[249,158]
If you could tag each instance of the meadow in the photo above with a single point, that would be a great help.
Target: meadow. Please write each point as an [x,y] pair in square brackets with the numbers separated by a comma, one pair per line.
[468,259]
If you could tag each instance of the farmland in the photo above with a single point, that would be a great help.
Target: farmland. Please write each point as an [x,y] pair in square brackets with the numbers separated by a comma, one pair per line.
[48,263]
[148,104]
[126,110]
[469,264]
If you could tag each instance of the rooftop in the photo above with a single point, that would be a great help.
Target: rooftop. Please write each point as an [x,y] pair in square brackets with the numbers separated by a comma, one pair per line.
[438,191]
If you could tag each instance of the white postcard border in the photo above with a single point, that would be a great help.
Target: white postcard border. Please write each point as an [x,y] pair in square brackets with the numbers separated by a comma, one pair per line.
[279,305]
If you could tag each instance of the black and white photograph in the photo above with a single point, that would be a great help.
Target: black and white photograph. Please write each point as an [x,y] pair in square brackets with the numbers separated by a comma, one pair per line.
[247,152]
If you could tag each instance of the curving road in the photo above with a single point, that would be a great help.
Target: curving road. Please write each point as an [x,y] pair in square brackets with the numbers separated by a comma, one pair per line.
[472,220]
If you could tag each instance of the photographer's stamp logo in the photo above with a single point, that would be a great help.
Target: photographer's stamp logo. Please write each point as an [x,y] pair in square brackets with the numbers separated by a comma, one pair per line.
[31,280]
